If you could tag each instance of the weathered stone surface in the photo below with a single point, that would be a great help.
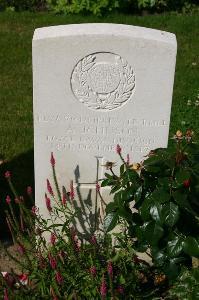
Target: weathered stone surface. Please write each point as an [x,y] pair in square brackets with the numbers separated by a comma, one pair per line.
[95,86]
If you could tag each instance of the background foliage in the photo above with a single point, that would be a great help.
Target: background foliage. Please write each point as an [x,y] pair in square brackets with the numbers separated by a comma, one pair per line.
[97,7]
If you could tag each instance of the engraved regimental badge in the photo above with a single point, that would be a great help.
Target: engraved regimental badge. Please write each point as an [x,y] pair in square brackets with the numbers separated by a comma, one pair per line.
[103,81]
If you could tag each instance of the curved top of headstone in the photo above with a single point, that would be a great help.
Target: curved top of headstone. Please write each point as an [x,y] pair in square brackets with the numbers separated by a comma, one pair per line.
[104,28]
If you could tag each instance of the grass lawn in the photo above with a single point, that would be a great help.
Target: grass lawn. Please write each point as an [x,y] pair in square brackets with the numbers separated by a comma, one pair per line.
[16,31]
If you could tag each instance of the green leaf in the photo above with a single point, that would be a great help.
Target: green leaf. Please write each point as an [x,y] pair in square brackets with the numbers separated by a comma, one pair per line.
[171,214]
[115,188]
[171,269]
[111,207]
[105,182]
[153,160]
[145,209]
[181,200]
[136,218]
[191,246]
[182,175]
[110,221]
[138,194]
[109,176]
[175,246]
[122,169]
[156,212]
[153,232]
[132,175]
[196,274]
[126,213]
[160,195]
[122,280]
[163,182]
[159,256]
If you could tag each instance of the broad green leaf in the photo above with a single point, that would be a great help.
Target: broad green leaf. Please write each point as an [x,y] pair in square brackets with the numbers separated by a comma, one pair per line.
[153,232]
[191,246]
[136,218]
[156,212]
[138,194]
[145,209]
[181,200]
[105,182]
[125,213]
[163,182]
[132,175]
[170,213]
[182,175]
[196,274]
[160,195]
[154,160]
[159,256]
[171,269]
[111,207]
[115,188]
[175,246]
[110,221]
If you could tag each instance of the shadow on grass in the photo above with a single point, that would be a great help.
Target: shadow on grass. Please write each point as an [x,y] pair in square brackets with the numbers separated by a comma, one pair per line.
[22,173]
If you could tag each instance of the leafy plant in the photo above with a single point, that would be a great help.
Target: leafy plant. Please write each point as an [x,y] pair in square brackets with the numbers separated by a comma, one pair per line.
[81,6]
[57,263]
[146,3]
[187,286]
[21,5]
[164,193]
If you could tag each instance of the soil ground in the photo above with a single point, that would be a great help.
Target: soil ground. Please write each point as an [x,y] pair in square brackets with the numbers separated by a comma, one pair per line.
[6,263]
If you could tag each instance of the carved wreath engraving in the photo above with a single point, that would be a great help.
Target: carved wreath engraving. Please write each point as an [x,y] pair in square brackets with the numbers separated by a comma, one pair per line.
[103,81]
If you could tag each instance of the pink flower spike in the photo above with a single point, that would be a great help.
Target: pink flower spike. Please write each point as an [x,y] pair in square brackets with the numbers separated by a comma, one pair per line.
[52,160]
[103,288]
[120,289]
[23,278]
[5,295]
[48,203]
[49,188]
[21,249]
[8,199]
[34,210]
[64,200]
[59,278]
[118,149]
[52,261]
[72,192]
[110,269]
[128,159]
[53,238]
[29,190]
[7,174]
[93,240]
[10,280]
[97,187]
[93,271]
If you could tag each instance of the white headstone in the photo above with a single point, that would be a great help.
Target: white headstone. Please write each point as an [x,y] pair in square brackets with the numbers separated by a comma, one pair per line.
[96,86]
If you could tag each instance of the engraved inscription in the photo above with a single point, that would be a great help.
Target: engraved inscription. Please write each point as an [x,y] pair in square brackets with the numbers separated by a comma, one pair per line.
[103,81]
[100,134]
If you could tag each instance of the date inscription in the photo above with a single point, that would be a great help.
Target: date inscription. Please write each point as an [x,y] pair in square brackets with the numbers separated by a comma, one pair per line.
[101,134]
